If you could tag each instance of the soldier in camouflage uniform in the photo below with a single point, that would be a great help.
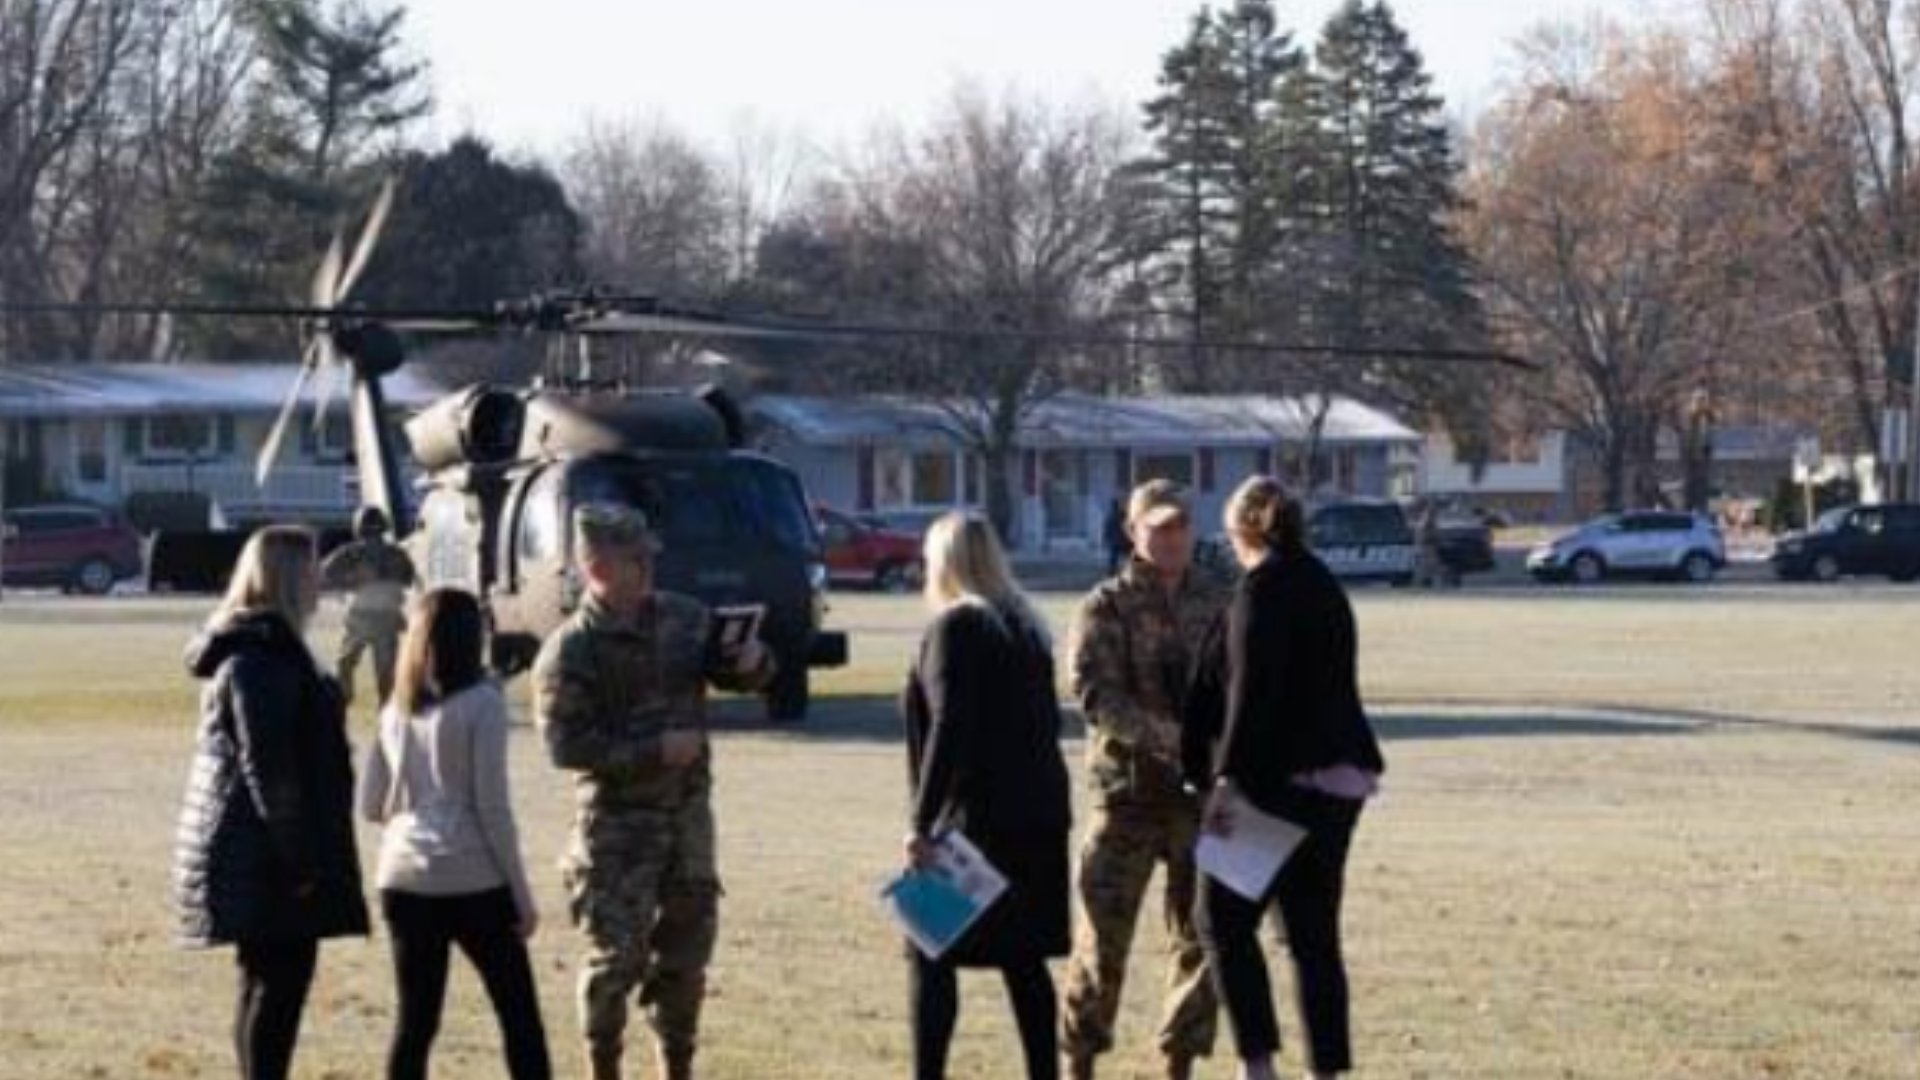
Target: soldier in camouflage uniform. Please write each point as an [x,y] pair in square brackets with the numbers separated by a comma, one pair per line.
[1129,656]
[376,575]
[620,697]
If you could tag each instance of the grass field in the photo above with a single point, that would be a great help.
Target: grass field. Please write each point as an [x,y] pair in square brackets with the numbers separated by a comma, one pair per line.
[1639,832]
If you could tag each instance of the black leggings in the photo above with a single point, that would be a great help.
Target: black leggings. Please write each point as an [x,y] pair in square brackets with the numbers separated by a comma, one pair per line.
[934,988]
[274,978]
[424,930]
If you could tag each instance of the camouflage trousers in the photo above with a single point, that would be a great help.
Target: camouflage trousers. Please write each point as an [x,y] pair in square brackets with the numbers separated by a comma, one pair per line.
[1124,843]
[644,889]
[379,633]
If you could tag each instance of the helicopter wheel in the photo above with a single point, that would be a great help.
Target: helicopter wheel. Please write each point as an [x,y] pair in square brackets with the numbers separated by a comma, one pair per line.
[790,694]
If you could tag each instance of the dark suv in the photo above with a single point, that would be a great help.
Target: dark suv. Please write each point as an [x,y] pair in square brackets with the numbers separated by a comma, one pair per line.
[76,547]
[1883,539]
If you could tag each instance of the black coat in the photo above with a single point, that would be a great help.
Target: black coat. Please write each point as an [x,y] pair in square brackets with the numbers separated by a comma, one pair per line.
[1277,693]
[265,846]
[983,751]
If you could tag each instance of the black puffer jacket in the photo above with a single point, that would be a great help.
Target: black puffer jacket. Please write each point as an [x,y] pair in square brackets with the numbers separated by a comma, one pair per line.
[265,847]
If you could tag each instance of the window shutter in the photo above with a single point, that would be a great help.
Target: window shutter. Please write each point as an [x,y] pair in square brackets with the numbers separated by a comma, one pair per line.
[223,426]
[130,431]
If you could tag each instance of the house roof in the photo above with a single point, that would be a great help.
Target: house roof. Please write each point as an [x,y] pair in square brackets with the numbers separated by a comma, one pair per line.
[1086,420]
[103,390]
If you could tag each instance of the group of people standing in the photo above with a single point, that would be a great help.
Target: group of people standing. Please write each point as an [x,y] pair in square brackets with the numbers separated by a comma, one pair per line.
[1198,694]
[1200,697]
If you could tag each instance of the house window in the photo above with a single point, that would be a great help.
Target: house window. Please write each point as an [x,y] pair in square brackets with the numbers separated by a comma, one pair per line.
[1175,467]
[1515,450]
[90,451]
[179,436]
[920,478]
[334,440]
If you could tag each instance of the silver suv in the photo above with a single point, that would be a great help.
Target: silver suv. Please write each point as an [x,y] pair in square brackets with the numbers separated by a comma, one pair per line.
[1646,543]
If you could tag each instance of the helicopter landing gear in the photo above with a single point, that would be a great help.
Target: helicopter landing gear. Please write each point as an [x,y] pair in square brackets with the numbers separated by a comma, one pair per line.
[790,694]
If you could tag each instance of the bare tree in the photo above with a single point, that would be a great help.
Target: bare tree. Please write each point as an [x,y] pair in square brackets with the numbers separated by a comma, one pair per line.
[1017,209]
[1604,231]
[1824,94]
[655,209]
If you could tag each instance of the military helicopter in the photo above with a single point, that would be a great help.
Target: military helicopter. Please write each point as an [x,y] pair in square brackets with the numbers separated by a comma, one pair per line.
[502,467]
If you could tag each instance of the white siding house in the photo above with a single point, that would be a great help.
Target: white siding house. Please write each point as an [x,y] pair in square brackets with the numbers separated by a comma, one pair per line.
[101,432]
[906,459]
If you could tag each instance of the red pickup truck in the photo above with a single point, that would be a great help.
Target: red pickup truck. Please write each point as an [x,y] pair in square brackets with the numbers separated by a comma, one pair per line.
[864,552]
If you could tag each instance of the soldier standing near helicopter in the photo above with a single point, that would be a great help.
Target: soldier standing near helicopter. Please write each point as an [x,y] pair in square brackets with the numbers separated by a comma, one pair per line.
[620,697]
[375,574]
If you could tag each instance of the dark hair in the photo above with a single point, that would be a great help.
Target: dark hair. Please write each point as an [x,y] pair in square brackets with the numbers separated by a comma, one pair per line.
[1264,511]
[445,650]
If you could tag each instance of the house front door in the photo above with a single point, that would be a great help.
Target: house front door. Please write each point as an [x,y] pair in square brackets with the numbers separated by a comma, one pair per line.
[90,466]
[1062,494]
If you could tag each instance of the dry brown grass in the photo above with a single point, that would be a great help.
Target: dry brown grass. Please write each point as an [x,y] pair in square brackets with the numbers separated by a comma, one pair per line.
[1644,832]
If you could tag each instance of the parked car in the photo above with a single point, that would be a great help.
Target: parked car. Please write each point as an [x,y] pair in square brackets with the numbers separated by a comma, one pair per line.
[1646,543]
[1466,542]
[864,552]
[1364,541]
[1882,539]
[75,547]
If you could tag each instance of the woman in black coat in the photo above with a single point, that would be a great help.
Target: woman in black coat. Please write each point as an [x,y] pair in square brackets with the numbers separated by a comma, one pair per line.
[264,856]
[1274,717]
[983,744]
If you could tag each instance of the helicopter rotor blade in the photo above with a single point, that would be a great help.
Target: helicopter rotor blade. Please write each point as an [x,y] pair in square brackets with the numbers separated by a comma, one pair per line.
[327,382]
[621,322]
[270,450]
[320,292]
[369,238]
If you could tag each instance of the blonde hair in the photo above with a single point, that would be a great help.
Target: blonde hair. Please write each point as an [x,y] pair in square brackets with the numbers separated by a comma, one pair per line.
[1263,512]
[966,564]
[273,576]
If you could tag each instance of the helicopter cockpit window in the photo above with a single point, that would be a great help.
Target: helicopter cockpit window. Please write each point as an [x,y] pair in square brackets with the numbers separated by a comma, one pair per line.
[774,502]
[541,525]
[685,504]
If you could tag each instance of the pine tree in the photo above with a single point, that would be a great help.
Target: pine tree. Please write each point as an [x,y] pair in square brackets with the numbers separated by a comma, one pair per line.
[330,91]
[1223,175]
[1387,198]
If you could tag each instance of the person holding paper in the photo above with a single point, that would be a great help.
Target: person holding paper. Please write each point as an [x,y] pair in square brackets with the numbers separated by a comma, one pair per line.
[983,752]
[620,697]
[1129,659]
[1274,718]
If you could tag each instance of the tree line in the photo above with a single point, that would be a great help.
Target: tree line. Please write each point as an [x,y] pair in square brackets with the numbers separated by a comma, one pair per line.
[1707,221]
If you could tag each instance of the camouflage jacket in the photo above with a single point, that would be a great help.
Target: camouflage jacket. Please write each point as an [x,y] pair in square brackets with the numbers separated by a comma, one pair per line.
[605,692]
[1130,655]
[375,574]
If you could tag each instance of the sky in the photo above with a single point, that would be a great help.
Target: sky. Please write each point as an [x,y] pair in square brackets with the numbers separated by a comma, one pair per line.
[531,76]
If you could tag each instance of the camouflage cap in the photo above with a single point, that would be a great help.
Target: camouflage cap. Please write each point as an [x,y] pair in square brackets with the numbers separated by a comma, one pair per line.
[1157,502]
[608,526]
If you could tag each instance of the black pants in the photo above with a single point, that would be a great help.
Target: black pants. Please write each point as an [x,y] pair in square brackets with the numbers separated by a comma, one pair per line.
[1306,894]
[274,978]
[934,988]
[424,930]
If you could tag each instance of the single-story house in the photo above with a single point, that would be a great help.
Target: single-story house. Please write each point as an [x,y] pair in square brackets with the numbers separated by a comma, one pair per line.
[1525,476]
[102,432]
[908,460]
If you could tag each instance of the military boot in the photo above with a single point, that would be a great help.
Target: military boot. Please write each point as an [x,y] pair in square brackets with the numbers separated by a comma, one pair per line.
[1080,1067]
[675,1064]
[603,1063]
[1179,1067]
